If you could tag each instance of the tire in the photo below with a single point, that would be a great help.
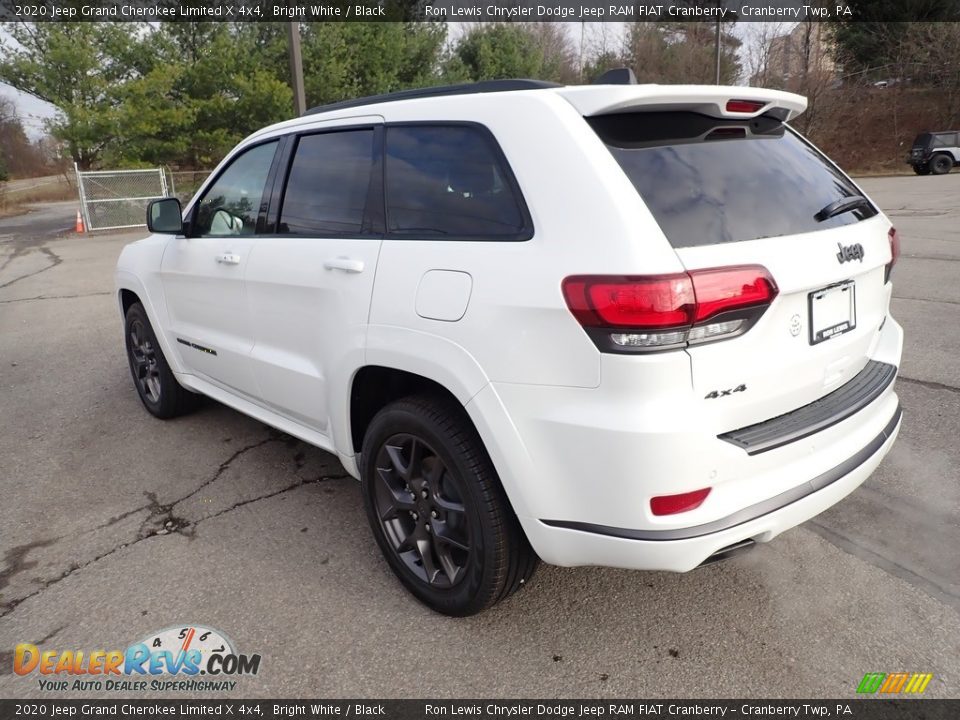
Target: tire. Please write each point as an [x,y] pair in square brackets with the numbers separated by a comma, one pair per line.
[159,390]
[921,169]
[941,164]
[437,509]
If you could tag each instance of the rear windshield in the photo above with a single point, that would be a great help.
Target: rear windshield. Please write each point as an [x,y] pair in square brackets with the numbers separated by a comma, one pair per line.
[710,181]
[922,140]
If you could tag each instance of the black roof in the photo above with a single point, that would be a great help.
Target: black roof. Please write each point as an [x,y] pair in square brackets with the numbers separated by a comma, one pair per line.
[464,89]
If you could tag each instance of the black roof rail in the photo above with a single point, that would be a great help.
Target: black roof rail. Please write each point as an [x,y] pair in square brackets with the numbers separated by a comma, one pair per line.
[484,86]
[616,76]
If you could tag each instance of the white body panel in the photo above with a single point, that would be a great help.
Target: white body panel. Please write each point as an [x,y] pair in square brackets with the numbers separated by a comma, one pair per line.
[576,435]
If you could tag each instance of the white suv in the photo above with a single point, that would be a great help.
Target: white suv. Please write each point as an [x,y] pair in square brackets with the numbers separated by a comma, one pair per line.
[628,325]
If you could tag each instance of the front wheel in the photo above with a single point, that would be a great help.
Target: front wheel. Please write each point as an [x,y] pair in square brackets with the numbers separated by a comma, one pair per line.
[159,390]
[437,509]
[941,164]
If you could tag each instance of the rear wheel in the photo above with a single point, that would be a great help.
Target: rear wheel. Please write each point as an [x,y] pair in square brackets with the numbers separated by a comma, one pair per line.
[941,164]
[159,390]
[437,509]
[922,169]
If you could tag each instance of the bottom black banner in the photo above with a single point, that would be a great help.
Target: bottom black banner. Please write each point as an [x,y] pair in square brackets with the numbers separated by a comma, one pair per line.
[486,709]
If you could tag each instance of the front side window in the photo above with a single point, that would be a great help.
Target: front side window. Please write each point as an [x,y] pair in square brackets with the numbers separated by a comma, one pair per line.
[446,182]
[230,206]
[329,184]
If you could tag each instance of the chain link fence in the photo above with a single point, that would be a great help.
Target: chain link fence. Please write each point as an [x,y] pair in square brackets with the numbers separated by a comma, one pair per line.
[112,199]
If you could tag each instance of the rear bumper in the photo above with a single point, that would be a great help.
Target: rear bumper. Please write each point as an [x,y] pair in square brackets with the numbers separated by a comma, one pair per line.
[580,465]
[571,547]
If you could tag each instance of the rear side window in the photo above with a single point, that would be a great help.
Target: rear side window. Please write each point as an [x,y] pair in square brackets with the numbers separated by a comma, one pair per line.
[945,140]
[709,181]
[329,184]
[450,182]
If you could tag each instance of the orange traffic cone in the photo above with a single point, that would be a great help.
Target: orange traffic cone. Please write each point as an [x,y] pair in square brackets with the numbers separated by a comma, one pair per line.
[79,227]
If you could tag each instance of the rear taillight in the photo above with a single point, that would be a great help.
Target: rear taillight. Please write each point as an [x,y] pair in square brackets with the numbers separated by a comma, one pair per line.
[673,504]
[663,312]
[894,238]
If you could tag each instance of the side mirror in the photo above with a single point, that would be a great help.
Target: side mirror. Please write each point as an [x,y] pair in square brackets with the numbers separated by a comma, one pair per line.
[165,216]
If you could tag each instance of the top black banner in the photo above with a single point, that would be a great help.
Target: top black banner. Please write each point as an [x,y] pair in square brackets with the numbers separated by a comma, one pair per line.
[479,10]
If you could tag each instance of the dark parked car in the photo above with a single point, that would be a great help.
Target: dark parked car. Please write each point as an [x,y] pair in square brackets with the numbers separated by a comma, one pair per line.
[934,153]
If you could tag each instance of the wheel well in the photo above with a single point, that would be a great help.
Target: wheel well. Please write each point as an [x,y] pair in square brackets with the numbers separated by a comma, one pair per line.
[375,387]
[127,298]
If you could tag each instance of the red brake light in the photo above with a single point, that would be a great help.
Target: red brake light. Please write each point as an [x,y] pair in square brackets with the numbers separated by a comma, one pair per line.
[655,301]
[744,106]
[673,504]
[632,314]
[894,238]
[722,289]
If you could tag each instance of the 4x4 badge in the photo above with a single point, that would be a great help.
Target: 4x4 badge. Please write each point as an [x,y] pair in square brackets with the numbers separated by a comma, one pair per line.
[850,252]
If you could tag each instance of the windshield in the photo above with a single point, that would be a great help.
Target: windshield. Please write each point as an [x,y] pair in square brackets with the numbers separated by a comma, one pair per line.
[709,181]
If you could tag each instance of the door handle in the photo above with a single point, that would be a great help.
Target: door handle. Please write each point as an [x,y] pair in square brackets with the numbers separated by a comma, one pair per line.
[228,259]
[346,264]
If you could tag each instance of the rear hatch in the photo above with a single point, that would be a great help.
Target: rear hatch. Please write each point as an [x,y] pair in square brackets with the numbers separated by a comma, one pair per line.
[741,188]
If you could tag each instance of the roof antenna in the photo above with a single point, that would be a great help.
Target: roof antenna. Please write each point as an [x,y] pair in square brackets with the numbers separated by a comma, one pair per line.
[617,76]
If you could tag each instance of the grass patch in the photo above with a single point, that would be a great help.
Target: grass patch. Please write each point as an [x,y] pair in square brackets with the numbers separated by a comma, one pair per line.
[14,201]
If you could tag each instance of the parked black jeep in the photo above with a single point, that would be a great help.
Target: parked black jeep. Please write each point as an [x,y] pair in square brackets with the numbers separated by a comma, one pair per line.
[934,153]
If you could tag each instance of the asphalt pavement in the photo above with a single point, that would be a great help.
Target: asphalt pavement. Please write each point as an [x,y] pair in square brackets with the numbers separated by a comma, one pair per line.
[114,525]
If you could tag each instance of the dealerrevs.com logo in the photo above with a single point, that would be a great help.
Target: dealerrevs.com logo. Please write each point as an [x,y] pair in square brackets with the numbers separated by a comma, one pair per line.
[188,658]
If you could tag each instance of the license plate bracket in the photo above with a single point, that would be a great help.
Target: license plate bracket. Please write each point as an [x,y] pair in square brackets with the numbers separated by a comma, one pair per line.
[832,310]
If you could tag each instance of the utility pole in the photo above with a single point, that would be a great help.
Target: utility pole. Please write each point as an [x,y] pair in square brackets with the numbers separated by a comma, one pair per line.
[296,68]
[717,52]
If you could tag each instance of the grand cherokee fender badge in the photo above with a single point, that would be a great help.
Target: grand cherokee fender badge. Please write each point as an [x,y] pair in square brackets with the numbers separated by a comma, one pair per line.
[201,348]
[850,252]
[723,393]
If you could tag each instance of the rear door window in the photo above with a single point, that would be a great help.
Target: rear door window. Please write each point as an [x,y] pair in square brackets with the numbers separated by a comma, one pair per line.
[709,181]
[450,182]
[329,184]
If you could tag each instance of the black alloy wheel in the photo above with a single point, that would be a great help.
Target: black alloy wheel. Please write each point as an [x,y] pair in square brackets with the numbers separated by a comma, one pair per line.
[420,507]
[437,509]
[144,362]
[156,385]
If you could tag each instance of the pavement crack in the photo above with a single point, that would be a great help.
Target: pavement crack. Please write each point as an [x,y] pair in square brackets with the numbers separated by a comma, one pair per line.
[6,656]
[160,520]
[56,260]
[929,384]
[850,546]
[293,486]
[53,297]
[15,559]
[926,300]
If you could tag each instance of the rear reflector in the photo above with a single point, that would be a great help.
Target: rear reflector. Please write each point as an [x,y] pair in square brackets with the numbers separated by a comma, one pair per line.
[673,504]
[634,314]
[744,106]
[894,239]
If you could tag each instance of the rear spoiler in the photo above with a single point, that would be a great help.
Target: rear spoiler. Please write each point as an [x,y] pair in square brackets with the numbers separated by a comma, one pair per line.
[712,100]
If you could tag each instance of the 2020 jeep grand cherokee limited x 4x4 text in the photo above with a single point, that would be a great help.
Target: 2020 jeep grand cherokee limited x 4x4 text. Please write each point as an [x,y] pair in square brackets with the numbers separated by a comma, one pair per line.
[628,325]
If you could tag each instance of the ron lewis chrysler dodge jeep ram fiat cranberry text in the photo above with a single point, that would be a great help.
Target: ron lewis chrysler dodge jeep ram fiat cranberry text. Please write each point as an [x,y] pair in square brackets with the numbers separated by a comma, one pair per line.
[628,325]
